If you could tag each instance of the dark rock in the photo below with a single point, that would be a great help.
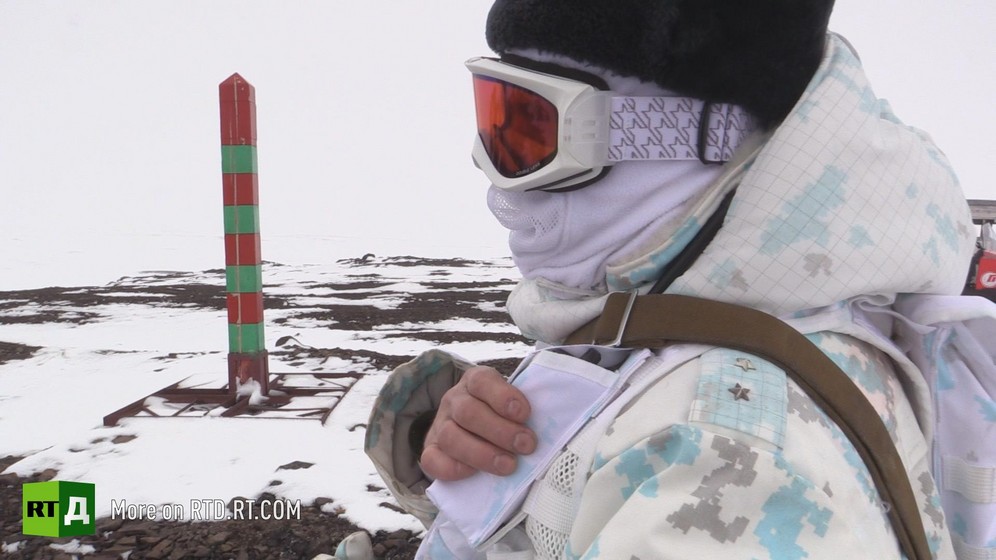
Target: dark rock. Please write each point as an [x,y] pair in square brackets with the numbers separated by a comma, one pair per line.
[160,551]
[150,541]
[9,479]
[391,507]
[400,534]
[47,474]
[266,497]
[218,538]
[115,551]
[295,465]
[299,546]
[109,525]
[231,502]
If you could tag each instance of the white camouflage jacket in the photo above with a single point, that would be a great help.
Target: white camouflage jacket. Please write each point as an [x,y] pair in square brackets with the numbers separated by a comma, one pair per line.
[719,455]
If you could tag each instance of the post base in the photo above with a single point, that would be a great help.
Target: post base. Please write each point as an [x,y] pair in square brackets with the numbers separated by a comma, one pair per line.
[245,366]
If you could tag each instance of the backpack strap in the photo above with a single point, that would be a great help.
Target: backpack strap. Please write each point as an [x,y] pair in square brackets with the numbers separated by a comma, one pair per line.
[655,320]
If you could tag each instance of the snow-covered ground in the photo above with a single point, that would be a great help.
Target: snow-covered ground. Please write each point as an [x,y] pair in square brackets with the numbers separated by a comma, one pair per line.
[101,349]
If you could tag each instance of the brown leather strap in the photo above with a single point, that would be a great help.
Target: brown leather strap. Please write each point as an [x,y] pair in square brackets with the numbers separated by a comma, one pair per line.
[658,319]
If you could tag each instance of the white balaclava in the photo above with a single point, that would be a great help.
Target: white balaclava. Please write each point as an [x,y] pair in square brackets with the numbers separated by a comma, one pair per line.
[568,238]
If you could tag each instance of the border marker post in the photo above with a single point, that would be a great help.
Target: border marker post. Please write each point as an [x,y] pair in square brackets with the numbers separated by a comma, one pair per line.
[247,356]
[298,395]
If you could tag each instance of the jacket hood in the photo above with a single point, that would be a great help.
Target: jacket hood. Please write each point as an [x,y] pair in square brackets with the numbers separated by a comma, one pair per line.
[841,201]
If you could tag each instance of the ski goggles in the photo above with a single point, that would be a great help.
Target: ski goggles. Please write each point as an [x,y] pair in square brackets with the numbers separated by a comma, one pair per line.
[554,129]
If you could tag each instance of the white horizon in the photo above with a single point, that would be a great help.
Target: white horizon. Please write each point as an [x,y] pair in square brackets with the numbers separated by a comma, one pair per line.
[109,145]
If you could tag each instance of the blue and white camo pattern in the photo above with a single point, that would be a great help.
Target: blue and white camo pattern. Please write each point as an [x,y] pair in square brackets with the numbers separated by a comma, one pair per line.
[708,482]
[724,457]
[834,205]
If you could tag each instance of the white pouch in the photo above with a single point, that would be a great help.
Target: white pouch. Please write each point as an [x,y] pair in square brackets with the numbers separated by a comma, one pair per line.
[564,392]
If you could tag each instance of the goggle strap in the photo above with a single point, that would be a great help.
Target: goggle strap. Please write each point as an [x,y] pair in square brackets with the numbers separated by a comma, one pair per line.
[671,128]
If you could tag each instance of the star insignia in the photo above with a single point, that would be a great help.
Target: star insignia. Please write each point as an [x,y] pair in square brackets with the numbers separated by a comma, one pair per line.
[740,393]
[745,364]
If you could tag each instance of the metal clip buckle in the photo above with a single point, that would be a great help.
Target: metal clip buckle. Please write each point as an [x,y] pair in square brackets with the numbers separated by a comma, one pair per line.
[705,119]
[617,342]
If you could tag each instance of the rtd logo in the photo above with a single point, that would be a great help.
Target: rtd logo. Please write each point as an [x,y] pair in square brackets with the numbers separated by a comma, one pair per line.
[988,280]
[58,509]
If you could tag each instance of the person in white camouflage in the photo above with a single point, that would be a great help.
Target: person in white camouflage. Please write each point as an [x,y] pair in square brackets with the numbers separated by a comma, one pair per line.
[832,207]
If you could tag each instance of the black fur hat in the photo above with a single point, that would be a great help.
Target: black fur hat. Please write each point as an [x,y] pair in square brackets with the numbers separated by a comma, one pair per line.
[759,54]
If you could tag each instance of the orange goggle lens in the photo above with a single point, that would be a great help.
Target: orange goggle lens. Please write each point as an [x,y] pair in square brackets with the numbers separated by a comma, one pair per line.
[517,126]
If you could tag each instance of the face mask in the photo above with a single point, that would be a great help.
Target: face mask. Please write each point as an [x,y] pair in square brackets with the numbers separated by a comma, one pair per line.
[569,237]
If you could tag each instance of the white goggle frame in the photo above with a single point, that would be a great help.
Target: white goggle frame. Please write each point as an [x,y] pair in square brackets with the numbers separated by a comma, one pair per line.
[597,129]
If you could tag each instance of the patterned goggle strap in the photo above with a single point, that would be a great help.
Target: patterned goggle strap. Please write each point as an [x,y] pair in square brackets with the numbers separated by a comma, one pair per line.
[675,128]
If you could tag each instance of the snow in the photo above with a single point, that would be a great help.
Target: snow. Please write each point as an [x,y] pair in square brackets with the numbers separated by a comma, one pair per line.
[73,547]
[130,350]
[98,187]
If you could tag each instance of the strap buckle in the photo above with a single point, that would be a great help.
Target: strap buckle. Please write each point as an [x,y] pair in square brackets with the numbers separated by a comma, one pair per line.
[732,126]
[617,341]
[703,139]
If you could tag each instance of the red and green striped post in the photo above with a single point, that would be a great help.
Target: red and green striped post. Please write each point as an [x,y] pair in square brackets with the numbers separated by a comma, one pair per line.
[247,357]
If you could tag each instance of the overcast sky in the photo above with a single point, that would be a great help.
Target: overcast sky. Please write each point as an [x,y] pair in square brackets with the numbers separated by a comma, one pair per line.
[109,120]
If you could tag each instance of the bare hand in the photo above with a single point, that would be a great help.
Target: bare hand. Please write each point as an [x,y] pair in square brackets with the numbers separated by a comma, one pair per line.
[480,425]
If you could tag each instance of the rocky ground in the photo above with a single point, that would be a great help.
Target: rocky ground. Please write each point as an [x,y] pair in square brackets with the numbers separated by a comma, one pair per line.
[314,533]
[317,531]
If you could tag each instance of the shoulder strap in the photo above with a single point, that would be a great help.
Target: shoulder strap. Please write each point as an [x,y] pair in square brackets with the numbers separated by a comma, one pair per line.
[651,321]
